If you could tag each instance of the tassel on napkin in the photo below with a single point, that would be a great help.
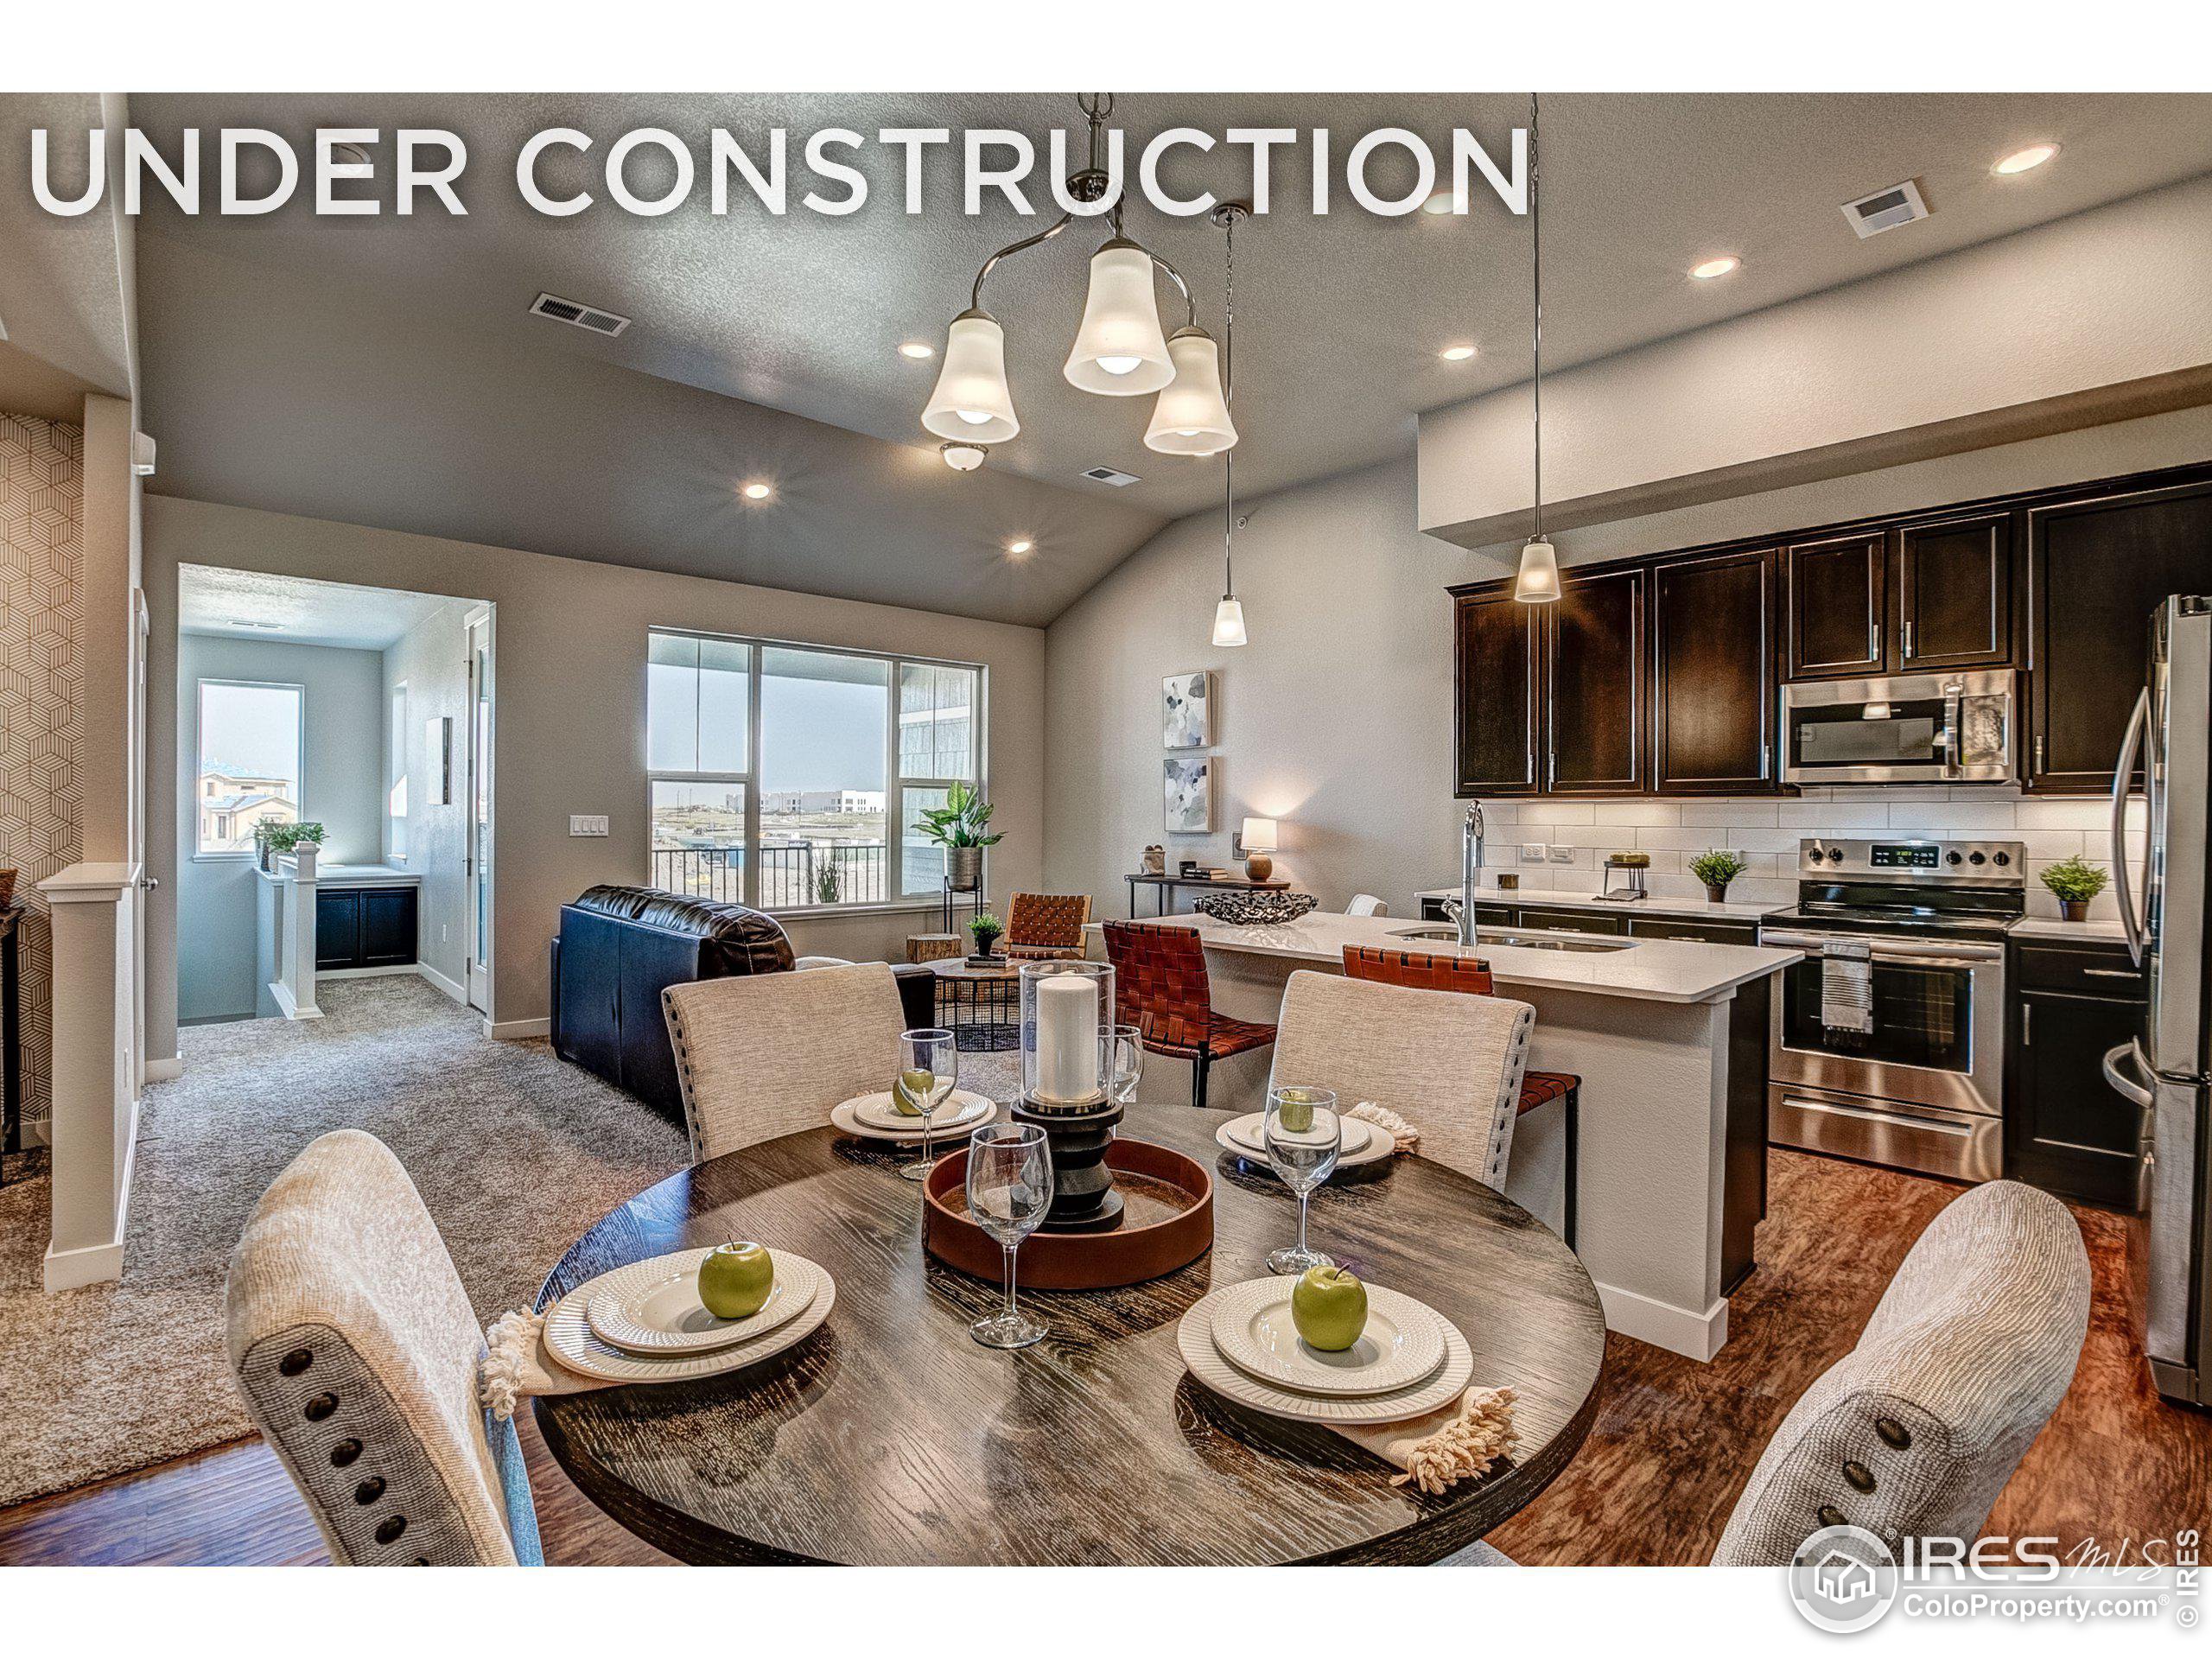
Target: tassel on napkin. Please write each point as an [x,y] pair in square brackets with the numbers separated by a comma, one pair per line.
[516,1363]
[1459,1442]
[1406,1136]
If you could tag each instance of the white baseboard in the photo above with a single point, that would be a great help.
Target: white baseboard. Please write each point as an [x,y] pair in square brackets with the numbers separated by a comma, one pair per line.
[286,1007]
[1694,1335]
[97,1264]
[165,1070]
[511,1030]
[450,987]
[363,973]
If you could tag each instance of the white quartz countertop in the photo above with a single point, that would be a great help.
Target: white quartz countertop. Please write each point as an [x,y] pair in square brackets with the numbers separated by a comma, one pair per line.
[1660,970]
[349,875]
[1694,909]
[2049,927]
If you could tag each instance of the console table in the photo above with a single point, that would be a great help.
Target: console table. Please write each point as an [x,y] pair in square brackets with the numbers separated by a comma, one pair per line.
[1166,885]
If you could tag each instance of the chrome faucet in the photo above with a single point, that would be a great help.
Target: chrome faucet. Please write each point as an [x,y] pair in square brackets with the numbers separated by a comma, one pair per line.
[1470,862]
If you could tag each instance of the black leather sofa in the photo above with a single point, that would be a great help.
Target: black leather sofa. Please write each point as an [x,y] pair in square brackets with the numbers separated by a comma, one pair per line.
[619,947]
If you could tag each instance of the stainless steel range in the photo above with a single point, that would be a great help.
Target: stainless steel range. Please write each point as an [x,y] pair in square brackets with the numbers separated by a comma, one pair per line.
[1889,1035]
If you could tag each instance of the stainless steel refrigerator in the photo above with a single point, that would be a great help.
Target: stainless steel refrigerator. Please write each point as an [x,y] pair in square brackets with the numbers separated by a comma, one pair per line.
[2166,1071]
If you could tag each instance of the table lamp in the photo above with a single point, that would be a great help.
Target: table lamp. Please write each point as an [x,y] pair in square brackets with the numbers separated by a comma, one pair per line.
[1254,843]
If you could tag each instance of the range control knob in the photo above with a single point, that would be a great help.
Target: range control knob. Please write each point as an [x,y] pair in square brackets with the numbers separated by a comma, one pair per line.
[1976,858]
[1952,858]
[2000,860]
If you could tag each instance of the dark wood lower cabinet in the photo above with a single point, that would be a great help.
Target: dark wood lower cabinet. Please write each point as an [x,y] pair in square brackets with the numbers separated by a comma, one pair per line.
[2066,1129]
[364,927]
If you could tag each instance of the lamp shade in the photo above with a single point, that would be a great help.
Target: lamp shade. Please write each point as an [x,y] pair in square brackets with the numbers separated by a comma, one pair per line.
[963,457]
[1228,622]
[1119,351]
[971,402]
[1538,582]
[1191,417]
[1259,836]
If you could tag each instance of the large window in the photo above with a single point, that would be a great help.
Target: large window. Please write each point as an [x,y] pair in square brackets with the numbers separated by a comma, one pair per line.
[395,766]
[249,770]
[777,771]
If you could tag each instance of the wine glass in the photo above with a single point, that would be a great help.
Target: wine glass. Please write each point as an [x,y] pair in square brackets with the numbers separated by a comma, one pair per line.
[929,1065]
[1122,1061]
[1009,1189]
[1302,1138]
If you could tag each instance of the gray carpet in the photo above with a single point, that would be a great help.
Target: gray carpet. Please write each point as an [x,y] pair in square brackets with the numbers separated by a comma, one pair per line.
[515,1152]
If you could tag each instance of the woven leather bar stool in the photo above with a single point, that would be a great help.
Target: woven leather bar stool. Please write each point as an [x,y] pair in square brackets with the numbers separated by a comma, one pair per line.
[1160,987]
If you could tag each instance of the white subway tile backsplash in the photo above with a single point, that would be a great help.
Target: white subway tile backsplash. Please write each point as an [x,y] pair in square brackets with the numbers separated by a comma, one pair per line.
[1561,812]
[1832,817]
[2049,843]
[1610,837]
[1653,813]
[1687,839]
[1747,814]
[1991,816]
[2095,814]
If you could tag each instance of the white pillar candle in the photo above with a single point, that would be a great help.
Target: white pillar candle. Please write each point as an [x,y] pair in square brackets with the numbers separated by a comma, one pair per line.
[1067,1038]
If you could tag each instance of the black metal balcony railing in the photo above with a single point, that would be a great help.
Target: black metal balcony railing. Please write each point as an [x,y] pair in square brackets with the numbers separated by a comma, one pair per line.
[792,873]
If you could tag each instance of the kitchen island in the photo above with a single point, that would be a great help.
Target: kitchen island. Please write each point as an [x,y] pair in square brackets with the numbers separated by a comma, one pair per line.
[1669,1038]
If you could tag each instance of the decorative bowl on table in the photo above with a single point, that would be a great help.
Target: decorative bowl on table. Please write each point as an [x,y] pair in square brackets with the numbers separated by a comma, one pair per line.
[1254,909]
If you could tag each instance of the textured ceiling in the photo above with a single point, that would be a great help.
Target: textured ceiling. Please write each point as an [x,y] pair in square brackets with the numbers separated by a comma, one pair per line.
[1340,317]
[228,604]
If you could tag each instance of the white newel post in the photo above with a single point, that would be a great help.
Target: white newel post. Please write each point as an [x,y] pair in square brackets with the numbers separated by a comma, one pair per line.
[295,987]
[95,1103]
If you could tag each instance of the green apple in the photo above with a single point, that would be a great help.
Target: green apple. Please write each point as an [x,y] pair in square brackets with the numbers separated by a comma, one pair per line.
[735,1281]
[1294,1110]
[1329,1306]
[916,1084]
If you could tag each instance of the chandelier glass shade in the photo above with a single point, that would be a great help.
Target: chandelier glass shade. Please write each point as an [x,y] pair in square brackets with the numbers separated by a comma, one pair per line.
[1191,417]
[972,403]
[1537,583]
[1228,621]
[1119,350]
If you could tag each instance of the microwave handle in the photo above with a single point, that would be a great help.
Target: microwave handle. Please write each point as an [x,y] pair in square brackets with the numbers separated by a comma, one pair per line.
[2130,924]
[1953,712]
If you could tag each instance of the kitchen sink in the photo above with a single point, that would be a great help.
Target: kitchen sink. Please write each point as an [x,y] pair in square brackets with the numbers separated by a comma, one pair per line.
[1523,941]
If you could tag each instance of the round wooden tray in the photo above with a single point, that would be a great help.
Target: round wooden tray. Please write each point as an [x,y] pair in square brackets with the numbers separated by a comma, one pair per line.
[1168,1220]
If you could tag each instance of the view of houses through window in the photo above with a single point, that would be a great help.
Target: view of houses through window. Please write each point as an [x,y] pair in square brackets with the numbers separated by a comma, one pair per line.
[777,771]
[248,769]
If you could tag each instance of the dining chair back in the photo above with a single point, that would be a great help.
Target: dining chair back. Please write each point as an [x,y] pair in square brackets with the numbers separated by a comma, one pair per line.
[769,1055]
[1914,1432]
[1046,926]
[1160,987]
[1366,904]
[356,1348]
[1450,1064]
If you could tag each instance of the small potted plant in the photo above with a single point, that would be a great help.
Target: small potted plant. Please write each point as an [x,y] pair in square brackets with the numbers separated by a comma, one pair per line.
[960,826]
[2073,882]
[987,929]
[1717,869]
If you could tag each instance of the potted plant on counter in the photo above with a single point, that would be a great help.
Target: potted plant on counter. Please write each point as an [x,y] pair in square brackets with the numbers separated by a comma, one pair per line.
[1717,869]
[960,827]
[987,929]
[2073,882]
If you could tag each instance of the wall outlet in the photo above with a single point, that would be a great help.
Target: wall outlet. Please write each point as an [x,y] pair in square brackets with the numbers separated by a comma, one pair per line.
[581,825]
[1532,852]
[1562,854]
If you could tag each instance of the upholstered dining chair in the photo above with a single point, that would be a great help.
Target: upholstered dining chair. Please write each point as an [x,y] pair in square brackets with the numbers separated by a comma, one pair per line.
[1429,971]
[1451,1065]
[1366,904]
[1160,987]
[356,1348]
[769,1054]
[1914,1432]
[1046,926]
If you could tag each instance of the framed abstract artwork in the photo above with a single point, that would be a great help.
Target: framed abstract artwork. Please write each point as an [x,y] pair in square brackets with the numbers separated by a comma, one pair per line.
[1187,710]
[1190,796]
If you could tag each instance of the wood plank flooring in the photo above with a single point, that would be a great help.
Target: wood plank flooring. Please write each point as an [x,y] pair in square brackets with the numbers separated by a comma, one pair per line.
[1673,1444]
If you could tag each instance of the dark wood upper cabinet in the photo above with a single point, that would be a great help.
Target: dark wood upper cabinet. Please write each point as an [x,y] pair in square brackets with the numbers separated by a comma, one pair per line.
[1494,709]
[1839,606]
[1594,726]
[1955,594]
[2098,566]
[1714,674]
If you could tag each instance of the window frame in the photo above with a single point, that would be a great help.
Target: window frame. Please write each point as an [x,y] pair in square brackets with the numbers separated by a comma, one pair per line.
[895,785]
[397,835]
[201,684]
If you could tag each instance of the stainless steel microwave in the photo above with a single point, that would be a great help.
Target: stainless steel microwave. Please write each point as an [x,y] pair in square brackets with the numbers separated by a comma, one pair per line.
[1905,728]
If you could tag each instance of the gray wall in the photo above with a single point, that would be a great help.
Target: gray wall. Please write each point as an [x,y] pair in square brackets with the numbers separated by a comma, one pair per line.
[1337,718]
[431,659]
[341,784]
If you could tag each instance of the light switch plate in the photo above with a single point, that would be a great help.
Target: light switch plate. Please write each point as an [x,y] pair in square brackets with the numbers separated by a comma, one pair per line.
[1532,852]
[581,824]
[1562,854]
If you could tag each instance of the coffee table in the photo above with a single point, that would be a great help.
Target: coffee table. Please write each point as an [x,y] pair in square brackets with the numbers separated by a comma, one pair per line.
[982,1006]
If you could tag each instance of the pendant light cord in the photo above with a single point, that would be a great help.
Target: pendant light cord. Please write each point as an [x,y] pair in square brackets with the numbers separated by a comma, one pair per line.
[1228,391]
[1537,280]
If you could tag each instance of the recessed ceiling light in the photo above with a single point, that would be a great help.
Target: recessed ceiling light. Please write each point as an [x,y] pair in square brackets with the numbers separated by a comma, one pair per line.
[919,350]
[1457,353]
[1712,268]
[1439,203]
[759,491]
[2027,160]
[1019,546]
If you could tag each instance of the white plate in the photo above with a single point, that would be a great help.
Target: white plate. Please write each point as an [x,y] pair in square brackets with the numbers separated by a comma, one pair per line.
[569,1333]
[1248,1133]
[1379,1146]
[653,1307]
[844,1118]
[1194,1339]
[1253,1328]
[876,1112]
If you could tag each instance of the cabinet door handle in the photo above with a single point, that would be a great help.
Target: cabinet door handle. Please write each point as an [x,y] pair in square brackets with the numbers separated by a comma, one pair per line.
[1875,655]
[1905,639]
[2038,753]
[2027,1024]
[2110,973]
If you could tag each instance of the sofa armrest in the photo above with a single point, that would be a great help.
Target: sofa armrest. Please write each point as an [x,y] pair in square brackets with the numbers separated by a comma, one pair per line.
[822,962]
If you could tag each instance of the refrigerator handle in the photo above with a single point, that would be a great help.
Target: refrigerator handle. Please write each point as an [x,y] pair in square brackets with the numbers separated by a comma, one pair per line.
[2128,1087]
[2130,924]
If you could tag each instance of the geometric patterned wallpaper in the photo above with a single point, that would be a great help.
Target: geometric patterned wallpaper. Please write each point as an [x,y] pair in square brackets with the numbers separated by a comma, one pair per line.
[41,699]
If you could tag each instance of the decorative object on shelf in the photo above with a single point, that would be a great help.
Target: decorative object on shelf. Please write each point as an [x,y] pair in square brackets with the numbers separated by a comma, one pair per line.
[1189,796]
[1717,868]
[272,840]
[1254,843]
[1254,909]
[7,886]
[1229,614]
[1120,348]
[1633,867]
[1538,580]
[987,929]
[1067,1087]
[1187,710]
[1155,861]
[2074,882]
[961,826]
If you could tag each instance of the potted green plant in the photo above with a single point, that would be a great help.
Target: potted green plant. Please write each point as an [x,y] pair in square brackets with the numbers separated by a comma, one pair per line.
[2073,882]
[1717,869]
[826,883]
[987,929]
[960,826]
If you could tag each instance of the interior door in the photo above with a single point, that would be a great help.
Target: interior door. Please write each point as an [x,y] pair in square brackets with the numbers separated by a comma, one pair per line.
[481,686]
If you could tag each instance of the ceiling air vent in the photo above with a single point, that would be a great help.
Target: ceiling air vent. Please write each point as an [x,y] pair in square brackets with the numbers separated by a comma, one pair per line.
[583,316]
[1886,209]
[1120,481]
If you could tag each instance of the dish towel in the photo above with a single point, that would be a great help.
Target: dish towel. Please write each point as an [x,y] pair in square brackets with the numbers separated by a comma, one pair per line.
[1455,1442]
[517,1363]
[1406,1136]
[1846,988]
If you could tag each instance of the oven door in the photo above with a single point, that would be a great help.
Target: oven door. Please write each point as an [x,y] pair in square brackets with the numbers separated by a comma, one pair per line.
[1910,729]
[1938,1036]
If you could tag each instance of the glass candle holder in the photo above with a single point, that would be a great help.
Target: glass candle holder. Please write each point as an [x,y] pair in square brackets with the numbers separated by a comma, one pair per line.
[1064,1068]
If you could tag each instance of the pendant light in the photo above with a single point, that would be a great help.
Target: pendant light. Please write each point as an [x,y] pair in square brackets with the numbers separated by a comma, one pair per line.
[1229,615]
[1538,580]
[1191,417]
[972,403]
[1119,350]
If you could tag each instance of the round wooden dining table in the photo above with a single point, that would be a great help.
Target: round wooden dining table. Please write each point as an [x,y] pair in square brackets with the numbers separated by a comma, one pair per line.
[890,1438]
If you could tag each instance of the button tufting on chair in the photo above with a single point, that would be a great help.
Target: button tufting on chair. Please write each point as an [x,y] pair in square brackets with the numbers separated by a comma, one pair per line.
[1894,1431]
[1830,1516]
[390,1527]
[318,1407]
[1860,1476]
[369,1491]
[295,1361]
[343,1452]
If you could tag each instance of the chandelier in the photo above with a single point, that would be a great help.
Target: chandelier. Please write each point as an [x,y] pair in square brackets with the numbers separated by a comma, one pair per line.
[1120,350]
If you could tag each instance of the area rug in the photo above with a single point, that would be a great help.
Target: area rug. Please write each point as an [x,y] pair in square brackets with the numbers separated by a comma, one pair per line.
[515,1152]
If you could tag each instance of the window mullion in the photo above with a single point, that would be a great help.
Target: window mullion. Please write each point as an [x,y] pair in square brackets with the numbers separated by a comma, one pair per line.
[754,762]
